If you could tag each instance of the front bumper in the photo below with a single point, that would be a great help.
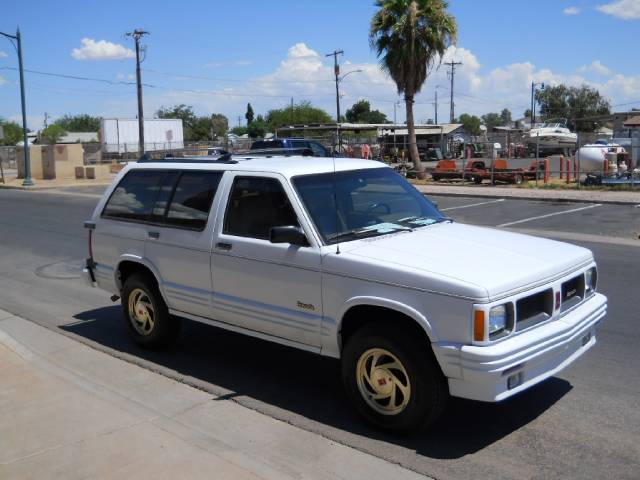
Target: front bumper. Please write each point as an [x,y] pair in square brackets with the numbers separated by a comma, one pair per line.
[530,357]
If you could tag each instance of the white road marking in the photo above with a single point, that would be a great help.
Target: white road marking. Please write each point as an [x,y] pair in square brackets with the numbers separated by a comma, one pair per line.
[472,205]
[530,219]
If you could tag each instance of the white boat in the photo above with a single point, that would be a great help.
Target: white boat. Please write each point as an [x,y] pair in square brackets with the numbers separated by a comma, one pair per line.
[593,155]
[552,134]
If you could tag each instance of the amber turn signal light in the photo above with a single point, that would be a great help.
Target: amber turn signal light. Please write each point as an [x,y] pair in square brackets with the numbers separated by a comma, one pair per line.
[478,326]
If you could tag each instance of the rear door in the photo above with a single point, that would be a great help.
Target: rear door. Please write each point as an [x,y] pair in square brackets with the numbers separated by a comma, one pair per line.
[179,238]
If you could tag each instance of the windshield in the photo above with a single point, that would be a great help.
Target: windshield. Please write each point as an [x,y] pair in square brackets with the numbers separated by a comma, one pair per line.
[363,203]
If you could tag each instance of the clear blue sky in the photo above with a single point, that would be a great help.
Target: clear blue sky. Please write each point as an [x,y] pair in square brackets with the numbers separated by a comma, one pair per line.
[242,47]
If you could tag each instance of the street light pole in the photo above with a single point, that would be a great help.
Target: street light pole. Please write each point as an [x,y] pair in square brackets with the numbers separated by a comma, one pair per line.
[28,181]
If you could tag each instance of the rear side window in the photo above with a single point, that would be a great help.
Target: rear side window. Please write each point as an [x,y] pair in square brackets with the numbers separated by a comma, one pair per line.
[191,202]
[135,195]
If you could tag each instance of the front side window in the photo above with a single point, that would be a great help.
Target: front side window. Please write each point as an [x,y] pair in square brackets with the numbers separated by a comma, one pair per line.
[255,205]
[355,204]
[192,199]
[134,196]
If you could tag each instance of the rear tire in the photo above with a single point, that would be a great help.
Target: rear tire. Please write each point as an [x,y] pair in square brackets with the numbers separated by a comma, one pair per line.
[393,379]
[146,314]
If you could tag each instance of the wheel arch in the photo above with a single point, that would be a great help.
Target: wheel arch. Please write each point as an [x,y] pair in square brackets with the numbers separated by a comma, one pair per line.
[130,264]
[359,311]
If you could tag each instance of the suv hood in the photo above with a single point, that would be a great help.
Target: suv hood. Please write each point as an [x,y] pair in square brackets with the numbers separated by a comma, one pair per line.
[490,262]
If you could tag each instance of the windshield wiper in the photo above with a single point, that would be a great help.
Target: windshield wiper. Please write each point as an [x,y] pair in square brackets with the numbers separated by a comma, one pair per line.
[371,231]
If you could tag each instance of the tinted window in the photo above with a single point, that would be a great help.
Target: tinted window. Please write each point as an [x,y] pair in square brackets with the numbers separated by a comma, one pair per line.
[263,144]
[164,196]
[255,205]
[318,150]
[192,199]
[134,196]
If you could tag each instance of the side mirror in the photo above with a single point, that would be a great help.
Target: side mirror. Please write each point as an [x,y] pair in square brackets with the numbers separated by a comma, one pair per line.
[288,234]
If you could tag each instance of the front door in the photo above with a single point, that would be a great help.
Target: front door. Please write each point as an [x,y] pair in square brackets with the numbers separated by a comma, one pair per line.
[266,287]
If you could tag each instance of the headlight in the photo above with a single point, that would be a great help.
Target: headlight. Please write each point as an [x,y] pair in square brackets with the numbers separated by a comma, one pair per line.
[497,319]
[590,280]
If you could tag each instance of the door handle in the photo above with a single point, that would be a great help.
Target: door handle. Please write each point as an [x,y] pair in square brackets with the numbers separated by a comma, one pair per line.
[155,235]
[223,246]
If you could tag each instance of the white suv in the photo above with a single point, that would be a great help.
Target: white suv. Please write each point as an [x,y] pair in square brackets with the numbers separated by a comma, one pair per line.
[346,259]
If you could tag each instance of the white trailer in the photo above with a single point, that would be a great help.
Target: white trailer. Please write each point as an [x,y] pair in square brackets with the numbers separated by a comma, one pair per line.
[120,135]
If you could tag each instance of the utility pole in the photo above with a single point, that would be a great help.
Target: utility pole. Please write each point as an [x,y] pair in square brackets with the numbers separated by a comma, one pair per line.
[336,70]
[452,73]
[137,35]
[533,104]
[27,182]
[46,119]
[436,107]
[239,120]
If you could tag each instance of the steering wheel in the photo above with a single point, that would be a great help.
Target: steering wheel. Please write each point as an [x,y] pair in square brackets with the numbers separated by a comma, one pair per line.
[374,206]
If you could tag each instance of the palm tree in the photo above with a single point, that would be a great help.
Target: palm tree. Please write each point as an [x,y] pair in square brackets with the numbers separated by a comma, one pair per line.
[409,35]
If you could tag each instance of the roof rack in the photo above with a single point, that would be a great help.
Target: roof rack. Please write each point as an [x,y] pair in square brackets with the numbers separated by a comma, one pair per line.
[226,158]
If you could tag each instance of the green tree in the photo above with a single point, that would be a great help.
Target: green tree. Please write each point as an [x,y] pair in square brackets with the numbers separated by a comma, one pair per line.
[491,120]
[238,131]
[527,113]
[573,103]
[220,124]
[196,129]
[79,123]
[301,113]
[52,134]
[470,123]
[257,128]
[360,112]
[13,133]
[410,35]
[249,114]
[505,115]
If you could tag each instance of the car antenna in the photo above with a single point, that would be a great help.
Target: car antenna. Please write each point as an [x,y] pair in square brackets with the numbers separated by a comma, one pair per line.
[335,202]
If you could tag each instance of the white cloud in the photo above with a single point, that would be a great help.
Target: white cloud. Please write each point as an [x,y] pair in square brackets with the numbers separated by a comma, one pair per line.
[305,74]
[571,11]
[122,76]
[596,67]
[3,81]
[623,9]
[101,50]
[3,54]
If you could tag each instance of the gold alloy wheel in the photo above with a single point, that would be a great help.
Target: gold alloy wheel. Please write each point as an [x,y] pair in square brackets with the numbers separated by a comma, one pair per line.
[141,312]
[383,381]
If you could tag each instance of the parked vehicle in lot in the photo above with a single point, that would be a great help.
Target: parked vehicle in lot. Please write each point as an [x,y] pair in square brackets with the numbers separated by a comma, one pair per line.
[316,148]
[345,259]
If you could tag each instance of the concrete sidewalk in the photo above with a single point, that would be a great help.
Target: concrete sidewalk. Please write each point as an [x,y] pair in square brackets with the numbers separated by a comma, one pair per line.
[69,411]
[555,195]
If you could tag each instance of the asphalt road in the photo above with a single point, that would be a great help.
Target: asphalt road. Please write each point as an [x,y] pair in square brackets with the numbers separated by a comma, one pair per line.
[584,423]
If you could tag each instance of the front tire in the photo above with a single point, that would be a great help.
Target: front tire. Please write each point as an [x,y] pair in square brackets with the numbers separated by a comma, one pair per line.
[393,379]
[146,314]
